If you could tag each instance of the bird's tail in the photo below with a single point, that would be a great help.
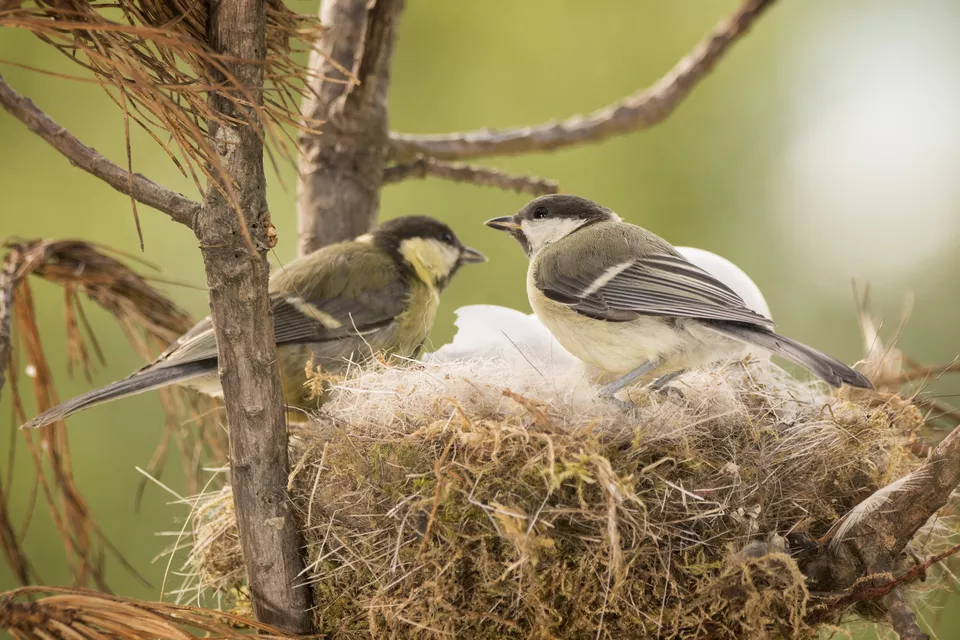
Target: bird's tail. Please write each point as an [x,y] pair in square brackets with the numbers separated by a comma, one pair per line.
[144,380]
[828,369]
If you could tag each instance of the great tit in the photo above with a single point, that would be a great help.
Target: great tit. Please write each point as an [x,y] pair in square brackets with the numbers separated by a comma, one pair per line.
[341,304]
[627,302]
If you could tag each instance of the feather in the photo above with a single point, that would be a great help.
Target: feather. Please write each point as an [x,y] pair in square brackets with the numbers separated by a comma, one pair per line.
[871,504]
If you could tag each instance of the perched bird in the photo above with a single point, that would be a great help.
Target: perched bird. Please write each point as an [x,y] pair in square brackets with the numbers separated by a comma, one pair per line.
[625,301]
[340,304]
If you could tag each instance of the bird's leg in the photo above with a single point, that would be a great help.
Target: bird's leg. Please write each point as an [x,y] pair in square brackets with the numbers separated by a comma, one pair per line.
[620,383]
[662,381]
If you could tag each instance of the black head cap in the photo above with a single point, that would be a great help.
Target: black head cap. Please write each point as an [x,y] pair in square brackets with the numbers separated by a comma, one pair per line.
[390,236]
[562,205]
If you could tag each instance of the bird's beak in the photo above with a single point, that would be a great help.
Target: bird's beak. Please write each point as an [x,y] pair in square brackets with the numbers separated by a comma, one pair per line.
[471,256]
[506,223]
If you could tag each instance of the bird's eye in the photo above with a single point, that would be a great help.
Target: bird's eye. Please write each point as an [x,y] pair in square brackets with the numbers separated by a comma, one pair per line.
[540,212]
[447,237]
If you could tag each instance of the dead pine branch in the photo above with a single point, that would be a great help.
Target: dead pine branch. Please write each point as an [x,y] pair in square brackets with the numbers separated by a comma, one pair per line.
[239,303]
[63,613]
[148,320]
[421,167]
[636,112]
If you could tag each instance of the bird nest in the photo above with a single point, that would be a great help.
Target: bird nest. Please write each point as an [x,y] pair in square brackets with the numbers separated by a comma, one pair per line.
[479,499]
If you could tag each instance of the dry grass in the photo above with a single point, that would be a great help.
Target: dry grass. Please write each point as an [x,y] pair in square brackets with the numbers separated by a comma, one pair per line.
[150,321]
[52,613]
[484,500]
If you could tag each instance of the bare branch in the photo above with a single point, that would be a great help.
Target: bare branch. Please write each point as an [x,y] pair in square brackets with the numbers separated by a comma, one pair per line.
[140,188]
[341,171]
[270,536]
[902,617]
[421,167]
[875,543]
[931,373]
[636,112]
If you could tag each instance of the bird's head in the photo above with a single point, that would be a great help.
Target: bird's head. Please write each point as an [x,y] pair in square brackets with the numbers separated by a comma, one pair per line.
[547,219]
[427,247]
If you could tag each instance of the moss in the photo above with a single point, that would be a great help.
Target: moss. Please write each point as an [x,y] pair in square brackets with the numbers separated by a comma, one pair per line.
[439,507]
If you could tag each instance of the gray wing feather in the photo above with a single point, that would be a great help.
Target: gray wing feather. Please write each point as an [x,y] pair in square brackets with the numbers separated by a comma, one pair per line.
[364,313]
[297,322]
[644,283]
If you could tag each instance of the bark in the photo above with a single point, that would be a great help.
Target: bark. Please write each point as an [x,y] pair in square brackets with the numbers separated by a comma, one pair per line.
[341,171]
[875,544]
[237,279]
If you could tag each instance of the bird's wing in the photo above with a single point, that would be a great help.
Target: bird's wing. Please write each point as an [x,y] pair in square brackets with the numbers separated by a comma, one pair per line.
[321,297]
[637,278]
[298,319]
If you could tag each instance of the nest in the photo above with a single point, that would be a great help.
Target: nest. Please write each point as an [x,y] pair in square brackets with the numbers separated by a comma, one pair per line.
[476,499]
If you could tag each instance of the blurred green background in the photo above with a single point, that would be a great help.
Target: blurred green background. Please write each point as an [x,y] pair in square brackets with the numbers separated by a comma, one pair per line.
[824,148]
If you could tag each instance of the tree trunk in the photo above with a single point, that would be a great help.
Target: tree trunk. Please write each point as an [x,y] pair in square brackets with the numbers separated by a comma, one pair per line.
[341,170]
[237,279]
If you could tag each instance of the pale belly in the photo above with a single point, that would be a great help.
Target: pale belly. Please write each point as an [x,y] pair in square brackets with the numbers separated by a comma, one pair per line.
[620,347]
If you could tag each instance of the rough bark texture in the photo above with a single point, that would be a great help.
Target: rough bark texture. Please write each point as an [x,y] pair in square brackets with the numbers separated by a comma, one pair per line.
[341,171]
[237,279]
[875,545]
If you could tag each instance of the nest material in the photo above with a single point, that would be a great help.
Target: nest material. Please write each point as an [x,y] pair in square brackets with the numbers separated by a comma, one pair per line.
[475,500]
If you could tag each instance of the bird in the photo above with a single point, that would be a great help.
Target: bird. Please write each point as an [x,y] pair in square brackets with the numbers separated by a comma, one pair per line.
[625,301]
[342,304]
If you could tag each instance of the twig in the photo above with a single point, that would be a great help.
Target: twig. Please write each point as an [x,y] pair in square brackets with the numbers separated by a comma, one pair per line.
[178,207]
[421,167]
[634,113]
[902,617]
[874,544]
[928,372]
[882,590]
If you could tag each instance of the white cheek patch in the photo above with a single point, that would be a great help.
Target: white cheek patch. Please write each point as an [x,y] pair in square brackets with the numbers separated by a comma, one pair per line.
[540,233]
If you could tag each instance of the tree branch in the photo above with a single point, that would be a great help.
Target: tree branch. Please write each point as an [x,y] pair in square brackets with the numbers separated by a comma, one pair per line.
[636,112]
[875,543]
[341,171]
[140,188]
[421,167]
[902,617]
[237,278]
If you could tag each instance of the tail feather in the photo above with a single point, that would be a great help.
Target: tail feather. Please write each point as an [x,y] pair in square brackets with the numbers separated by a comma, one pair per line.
[827,368]
[144,380]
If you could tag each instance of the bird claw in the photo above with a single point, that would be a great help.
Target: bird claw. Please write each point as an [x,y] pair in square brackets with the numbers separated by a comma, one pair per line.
[672,391]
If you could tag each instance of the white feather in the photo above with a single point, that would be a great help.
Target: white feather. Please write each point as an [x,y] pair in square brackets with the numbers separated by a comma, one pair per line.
[871,504]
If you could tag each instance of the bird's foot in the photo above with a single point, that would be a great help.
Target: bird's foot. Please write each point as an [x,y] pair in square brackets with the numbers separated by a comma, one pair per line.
[660,386]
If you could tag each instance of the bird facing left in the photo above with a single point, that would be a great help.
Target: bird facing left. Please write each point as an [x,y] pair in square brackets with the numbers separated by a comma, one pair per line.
[342,304]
